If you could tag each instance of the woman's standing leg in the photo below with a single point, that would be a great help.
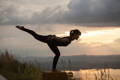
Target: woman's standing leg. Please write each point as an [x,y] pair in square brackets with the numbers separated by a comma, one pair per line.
[56,57]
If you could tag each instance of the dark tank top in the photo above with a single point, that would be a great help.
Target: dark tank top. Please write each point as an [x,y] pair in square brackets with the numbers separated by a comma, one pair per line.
[59,41]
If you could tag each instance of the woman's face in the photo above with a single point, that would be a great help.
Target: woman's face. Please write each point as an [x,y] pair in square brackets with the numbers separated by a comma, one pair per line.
[75,37]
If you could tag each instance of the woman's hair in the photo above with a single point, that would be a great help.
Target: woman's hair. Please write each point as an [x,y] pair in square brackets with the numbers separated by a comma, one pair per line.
[75,32]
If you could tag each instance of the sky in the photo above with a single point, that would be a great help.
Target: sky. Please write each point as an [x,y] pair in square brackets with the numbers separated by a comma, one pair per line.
[98,20]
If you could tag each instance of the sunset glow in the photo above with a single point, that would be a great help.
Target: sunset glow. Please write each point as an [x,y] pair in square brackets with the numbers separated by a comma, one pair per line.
[102,36]
[66,33]
[99,36]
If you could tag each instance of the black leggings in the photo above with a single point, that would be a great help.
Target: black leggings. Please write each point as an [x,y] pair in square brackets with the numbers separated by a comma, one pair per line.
[50,43]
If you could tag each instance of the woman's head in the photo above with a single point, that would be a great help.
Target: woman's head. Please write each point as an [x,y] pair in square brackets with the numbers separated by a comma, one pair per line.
[74,34]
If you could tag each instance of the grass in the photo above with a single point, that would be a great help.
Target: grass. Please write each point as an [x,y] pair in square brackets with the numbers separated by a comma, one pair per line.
[98,74]
[103,74]
[12,69]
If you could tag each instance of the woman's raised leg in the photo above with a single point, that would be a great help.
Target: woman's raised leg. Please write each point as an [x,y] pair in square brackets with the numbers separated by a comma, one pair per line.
[34,34]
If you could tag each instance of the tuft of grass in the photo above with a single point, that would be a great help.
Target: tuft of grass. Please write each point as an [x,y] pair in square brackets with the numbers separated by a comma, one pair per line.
[12,69]
[103,74]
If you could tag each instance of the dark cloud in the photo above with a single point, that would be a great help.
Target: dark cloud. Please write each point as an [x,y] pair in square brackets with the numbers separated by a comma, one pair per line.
[49,16]
[10,15]
[93,11]
[83,12]
[13,13]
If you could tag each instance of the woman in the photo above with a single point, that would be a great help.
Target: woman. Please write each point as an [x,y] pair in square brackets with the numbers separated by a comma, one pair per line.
[53,41]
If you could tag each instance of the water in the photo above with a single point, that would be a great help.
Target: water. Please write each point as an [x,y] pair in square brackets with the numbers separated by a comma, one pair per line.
[96,74]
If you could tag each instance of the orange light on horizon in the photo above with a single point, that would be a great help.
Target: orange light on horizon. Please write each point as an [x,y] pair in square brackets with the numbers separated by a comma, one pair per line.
[102,36]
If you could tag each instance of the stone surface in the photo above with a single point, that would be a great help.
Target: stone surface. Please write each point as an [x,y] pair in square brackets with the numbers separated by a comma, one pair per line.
[55,76]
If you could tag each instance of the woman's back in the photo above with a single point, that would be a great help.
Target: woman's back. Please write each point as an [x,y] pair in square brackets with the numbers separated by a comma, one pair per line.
[59,41]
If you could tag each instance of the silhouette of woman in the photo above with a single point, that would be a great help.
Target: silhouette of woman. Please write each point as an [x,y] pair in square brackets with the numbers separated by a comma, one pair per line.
[53,41]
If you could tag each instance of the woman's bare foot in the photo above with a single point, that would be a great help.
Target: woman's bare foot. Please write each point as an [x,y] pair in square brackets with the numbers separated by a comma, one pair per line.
[56,70]
[20,27]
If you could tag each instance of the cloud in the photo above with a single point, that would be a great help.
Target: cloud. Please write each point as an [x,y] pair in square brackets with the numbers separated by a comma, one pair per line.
[93,11]
[29,12]
[83,12]
[12,15]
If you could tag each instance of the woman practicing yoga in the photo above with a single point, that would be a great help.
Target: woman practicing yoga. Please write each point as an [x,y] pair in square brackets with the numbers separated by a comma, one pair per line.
[53,41]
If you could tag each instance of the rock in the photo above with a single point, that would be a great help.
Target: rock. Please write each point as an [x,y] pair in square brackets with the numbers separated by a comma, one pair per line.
[55,76]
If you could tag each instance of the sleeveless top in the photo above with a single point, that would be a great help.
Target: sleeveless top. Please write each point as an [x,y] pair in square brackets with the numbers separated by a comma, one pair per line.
[59,41]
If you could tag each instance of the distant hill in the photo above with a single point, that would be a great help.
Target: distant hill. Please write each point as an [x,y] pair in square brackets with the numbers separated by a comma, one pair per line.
[76,62]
